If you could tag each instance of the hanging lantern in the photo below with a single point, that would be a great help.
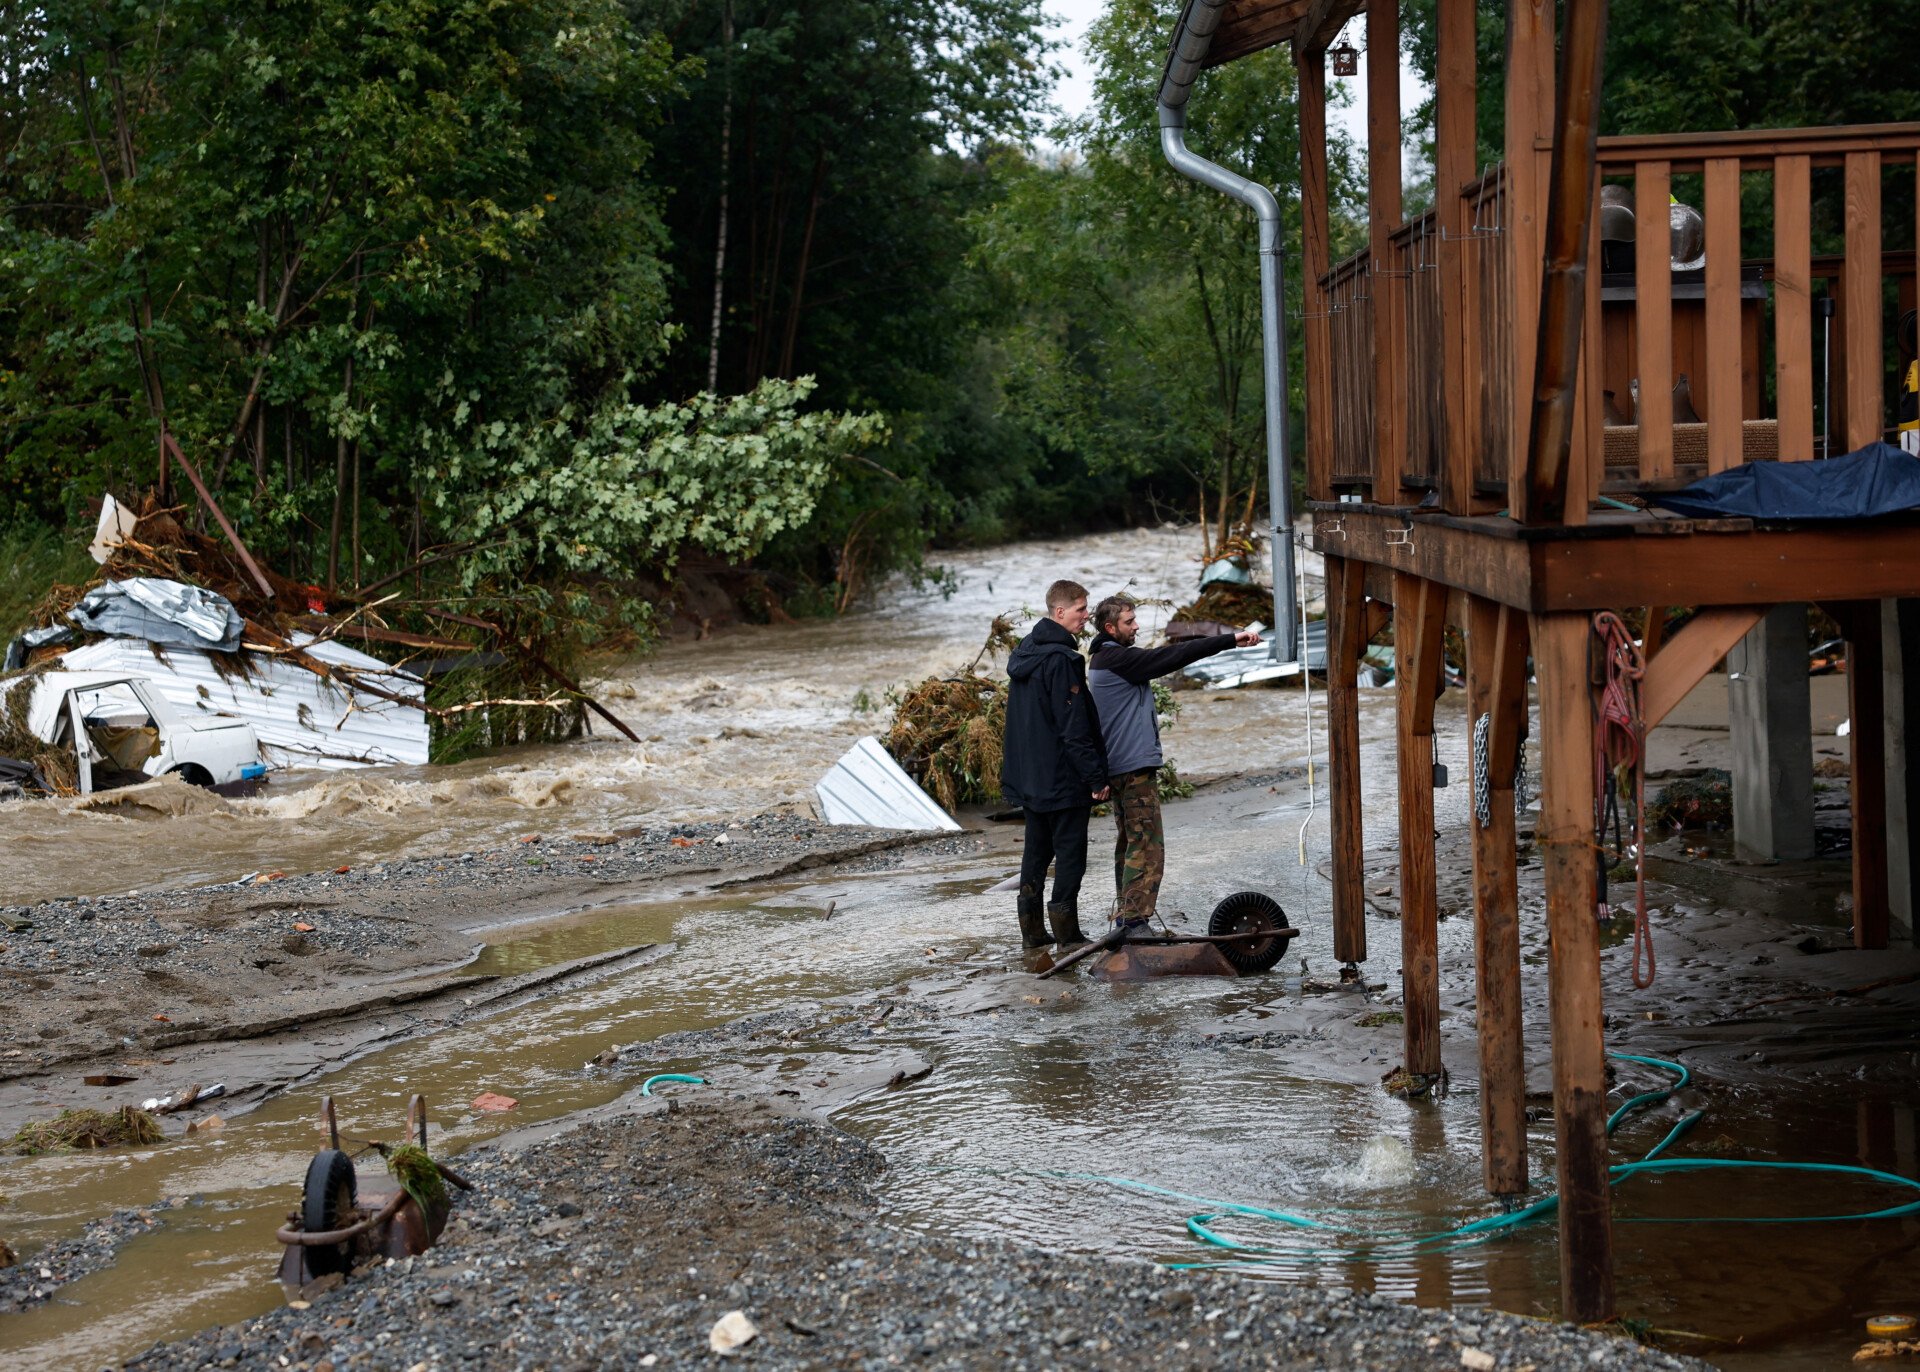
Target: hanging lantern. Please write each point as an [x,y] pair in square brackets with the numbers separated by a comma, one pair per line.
[1346,59]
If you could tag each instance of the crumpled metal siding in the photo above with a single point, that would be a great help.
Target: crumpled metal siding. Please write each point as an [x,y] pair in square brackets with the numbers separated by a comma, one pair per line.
[867,787]
[301,720]
[1244,666]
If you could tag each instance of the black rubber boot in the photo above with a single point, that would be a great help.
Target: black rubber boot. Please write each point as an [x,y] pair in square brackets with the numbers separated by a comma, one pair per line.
[1033,921]
[1065,918]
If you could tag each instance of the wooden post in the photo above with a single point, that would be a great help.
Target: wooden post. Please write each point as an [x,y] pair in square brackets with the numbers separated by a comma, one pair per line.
[1497,690]
[1867,783]
[1455,160]
[1573,943]
[1346,639]
[1653,317]
[1419,630]
[1383,217]
[1865,380]
[1793,305]
[1550,493]
[1530,48]
[1315,262]
[1723,411]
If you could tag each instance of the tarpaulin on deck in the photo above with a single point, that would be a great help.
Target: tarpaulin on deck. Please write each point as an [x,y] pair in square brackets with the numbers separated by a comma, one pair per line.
[1876,480]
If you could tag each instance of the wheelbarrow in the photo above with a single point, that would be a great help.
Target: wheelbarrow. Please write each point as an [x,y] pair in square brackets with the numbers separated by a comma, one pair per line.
[1246,935]
[339,1226]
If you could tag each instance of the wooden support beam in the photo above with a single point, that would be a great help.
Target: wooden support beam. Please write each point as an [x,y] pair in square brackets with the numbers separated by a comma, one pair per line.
[1456,157]
[1656,634]
[1315,261]
[1419,618]
[1390,358]
[1690,654]
[1722,387]
[1529,115]
[1867,774]
[1548,496]
[1573,961]
[1588,461]
[1346,619]
[1793,305]
[1497,689]
[1379,615]
[1864,382]
[1653,319]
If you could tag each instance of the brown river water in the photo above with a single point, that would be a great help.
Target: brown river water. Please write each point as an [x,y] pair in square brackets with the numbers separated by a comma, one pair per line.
[1258,1092]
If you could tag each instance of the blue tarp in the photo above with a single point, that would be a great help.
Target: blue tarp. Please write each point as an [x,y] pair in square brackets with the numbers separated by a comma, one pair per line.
[1878,479]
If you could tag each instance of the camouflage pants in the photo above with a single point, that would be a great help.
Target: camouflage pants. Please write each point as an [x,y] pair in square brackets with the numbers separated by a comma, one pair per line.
[1140,850]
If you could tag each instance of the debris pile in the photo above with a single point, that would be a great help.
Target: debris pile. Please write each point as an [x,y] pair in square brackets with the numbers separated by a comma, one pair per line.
[1234,606]
[1703,801]
[948,733]
[72,1130]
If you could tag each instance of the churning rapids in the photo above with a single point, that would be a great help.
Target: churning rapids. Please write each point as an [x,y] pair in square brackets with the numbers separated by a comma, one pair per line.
[1261,1091]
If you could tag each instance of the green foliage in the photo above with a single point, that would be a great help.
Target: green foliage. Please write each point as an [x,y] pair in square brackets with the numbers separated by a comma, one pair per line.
[33,560]
[419,1176]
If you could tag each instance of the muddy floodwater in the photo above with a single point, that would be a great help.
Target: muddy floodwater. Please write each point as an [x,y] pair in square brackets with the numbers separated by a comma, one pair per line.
[737,724]
[1063,1113]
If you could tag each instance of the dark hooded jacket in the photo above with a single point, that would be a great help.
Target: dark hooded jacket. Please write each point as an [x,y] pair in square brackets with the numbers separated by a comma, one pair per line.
[1052,759]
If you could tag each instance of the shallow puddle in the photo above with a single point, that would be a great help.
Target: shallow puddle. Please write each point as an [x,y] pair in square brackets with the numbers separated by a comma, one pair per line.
[1251,1092]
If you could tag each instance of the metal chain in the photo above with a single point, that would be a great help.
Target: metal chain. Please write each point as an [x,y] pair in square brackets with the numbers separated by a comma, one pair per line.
[1522,782]
[1482,786]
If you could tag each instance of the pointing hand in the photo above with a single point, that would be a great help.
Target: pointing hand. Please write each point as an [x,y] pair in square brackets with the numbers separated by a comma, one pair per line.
[1245,638]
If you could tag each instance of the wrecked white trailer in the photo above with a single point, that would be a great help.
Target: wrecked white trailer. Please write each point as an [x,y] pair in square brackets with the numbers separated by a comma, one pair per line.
[302,720]
[122,730]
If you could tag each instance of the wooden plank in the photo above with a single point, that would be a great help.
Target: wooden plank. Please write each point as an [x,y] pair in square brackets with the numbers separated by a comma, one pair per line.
[1653,318]
[1419,614]
[1383,217]
[1529,118]
[1723,413]
[1865,380]
[1867,779]
[1573,961]
[1825,147]
[1496,665]
[1318,331]
[1346,616]
[1690,654]
[1793,305]
[1589,453]
[1764,566]
[1455,158]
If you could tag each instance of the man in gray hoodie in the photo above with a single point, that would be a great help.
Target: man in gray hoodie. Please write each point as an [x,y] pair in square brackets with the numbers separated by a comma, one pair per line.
[1120,678]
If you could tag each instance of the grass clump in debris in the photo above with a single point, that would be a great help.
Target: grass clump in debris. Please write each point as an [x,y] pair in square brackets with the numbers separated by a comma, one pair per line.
[74,1130]
[419,1176]
[948,734]
[1703,801]
[1379,1019]
[56,765]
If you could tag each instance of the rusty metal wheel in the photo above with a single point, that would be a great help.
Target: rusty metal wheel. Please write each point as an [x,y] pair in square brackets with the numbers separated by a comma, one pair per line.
[328,1202]
[1249,912]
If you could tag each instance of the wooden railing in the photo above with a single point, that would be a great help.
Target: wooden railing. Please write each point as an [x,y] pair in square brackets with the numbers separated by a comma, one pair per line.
[1746,330]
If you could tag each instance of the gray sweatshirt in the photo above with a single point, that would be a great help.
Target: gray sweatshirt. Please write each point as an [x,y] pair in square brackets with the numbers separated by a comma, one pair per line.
[1121,681]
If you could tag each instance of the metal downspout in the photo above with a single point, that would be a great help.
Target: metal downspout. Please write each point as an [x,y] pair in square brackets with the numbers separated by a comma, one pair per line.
[1191,39]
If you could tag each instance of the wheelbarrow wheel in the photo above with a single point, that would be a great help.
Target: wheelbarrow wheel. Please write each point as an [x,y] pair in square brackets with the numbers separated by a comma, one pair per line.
[329,1202]
[1249,912]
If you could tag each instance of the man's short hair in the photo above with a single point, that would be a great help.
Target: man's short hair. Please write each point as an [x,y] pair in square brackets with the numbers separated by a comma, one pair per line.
[1110,610]
[1064,593]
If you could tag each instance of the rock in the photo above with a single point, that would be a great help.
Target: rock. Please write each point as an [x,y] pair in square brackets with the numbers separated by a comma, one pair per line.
[733,1332]
[1475,1360]
[7,1256]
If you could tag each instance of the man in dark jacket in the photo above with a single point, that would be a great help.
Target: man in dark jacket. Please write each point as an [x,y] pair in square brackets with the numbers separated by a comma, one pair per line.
[1053,766]
[1120,679]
